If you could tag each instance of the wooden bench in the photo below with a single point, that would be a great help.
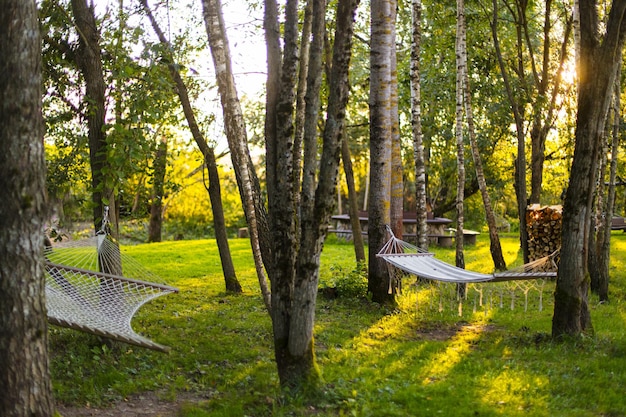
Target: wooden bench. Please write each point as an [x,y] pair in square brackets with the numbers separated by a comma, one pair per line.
[618,223]
[344,234]
[469,237]
[445,241]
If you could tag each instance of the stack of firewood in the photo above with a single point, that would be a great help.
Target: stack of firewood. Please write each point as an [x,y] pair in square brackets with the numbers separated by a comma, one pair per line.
[544,226]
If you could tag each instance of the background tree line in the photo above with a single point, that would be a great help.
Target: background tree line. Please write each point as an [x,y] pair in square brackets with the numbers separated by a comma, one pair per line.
[494,119]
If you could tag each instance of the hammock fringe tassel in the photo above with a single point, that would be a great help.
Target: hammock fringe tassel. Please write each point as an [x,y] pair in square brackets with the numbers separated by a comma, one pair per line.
[487,291]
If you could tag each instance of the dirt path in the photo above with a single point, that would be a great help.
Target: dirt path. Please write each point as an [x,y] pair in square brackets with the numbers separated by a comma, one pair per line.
[144,405]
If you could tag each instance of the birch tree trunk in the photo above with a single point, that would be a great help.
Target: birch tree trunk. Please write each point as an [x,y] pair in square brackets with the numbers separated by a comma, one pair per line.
[397,171]
[416,123]
[460,147]
[24,373]
[599,58]
[301,93]
[379,284]
[281,193]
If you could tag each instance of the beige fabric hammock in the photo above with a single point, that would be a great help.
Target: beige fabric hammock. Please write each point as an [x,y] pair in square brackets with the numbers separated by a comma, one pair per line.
[415,261]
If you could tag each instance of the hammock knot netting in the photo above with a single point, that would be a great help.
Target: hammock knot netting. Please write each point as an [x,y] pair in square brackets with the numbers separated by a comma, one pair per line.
[91,286]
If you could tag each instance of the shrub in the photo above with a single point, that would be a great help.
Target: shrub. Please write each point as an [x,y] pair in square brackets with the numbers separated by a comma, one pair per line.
[352,284]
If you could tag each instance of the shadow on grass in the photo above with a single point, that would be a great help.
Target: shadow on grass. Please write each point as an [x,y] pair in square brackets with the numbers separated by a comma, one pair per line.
[416,360]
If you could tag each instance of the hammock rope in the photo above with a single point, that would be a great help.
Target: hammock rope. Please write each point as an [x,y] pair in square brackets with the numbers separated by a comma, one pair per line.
[416,261]
[81,298]
[488,290]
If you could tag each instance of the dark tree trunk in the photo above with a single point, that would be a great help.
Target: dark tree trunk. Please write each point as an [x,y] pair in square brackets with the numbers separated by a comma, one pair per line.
[25,385]
[298,232]
[596,226]
[548,86]
[346,161]
[302,121]
[207,152]
[219,223]
[600,277]
[156,205]
[89,60]
[518,113]
[599,58]
[298,345]
[353,204]
[495,248]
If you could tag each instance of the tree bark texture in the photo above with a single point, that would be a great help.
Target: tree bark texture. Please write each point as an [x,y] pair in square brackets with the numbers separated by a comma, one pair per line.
[379,199]
[89,60]
[596,225]
[159,167]
[282,203]
[548,86]
[208,153]
[310,144]
[298,234]
[603,249]
[353,205]
[299,347]
[397,171]
[518,114]
[25,385]
[219,223]
[599,57]
[460,146]
[301,94]
[495,247]
[416,123]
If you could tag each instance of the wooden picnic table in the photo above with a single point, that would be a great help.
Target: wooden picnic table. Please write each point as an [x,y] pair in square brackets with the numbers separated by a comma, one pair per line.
[436,225]
[438,231]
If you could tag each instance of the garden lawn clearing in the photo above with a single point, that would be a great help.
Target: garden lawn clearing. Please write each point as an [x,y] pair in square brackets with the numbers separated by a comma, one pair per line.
[430,356]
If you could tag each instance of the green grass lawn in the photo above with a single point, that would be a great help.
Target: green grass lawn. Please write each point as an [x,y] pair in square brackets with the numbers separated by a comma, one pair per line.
[429,357]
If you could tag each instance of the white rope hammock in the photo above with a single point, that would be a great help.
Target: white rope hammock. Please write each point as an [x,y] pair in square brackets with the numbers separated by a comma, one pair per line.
[416,261]
[101,303]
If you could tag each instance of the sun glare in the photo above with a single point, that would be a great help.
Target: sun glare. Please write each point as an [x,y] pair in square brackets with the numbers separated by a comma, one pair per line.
[568,73]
